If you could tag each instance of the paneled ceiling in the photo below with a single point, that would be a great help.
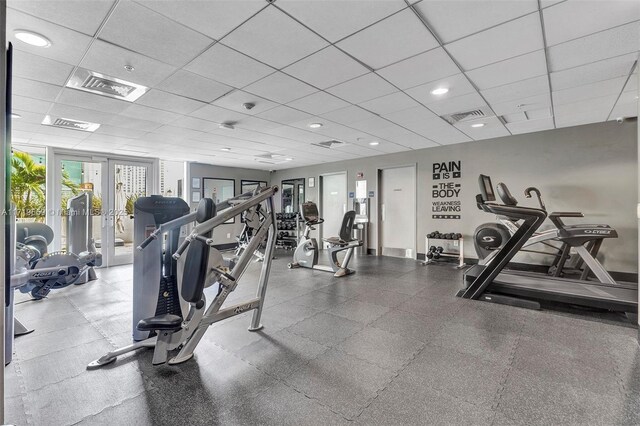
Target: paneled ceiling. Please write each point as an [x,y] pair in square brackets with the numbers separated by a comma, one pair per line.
[364,69]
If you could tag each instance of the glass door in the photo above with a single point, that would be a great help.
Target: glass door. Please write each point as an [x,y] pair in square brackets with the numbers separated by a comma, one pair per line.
[128,180]
[74,177]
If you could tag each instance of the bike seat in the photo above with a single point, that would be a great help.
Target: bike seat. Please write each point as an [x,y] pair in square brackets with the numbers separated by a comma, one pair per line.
[336,241]
[160,322]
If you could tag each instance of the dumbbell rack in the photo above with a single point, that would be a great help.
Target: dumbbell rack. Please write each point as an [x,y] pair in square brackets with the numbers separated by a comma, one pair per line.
[459,254]
[290,227]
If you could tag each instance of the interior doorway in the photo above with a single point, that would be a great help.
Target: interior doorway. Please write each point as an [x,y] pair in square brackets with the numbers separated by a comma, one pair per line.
[333,203]
[397,212]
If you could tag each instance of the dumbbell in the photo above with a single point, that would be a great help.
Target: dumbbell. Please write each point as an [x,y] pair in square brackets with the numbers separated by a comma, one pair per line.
[432,248]
[458,236]
[439,249]
[436,255]
[430,255]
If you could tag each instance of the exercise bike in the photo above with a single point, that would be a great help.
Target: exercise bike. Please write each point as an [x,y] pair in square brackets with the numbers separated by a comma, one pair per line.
[584,239]
[306,252]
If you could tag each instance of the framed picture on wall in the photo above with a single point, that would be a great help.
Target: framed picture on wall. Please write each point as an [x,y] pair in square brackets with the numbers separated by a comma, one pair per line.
[251,185]
[195,183]
[312,182]
[219,190]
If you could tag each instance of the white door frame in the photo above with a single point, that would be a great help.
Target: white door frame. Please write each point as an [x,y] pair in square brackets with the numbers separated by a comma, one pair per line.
[379,171]
[53,158]
[320,192]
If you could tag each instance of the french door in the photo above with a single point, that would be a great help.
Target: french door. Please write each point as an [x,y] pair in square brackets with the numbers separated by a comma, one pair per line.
[115,184]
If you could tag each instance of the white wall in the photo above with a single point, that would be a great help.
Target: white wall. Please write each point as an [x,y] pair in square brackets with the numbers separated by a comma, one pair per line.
[590,168]
[200,171]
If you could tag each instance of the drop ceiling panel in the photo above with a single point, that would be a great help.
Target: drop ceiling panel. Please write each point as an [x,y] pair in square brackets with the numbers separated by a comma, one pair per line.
[159,37]
[632,83]
[390,40]
[509,71]
[92,101]
[107,129]
[35,67]
[27,117]
[142,112]
[218,114]
[318,103]
[296,134]
[515,38]
[387,104]
[133,123]
[326,68]
[518,90]
[523,104]
[420,69]
[596,109]
[212,18]
[67,45]
[190,85]
[169,102]
[413,115]
[34,89]
[458,85]
[594,72]
[362,88]
[195,124]
[625,107]
[237,98]
[492,128]
[257,124]
[274,38]
[284,115]
[83,114]
[108,59]
[228,66]
[586,17]
[452,20]
[589,91]
[442,132]
[80,15]
[456,104]
[348,115]
[595,47]
[280,88]
[336,19]
[528,126]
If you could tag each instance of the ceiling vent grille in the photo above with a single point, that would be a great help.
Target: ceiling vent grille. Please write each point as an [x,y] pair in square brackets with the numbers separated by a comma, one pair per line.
[271,158]
[458,117]
[330,144]
[66,123]
[100,84]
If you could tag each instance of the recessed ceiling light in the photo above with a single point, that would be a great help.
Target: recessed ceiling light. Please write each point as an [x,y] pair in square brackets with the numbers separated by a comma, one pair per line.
[478,125]
[315,125]
[34,39]
[227,126]
[14,115]
[439,91]
[374,143]
[225,149]
[288,159]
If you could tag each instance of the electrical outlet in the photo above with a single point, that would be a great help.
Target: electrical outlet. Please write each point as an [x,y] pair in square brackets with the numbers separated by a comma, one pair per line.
[228,235]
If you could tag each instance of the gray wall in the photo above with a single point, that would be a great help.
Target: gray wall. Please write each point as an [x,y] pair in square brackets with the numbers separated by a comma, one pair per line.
[209,171]
[590,168]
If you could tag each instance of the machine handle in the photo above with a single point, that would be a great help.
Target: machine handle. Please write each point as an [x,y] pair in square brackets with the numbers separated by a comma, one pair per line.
[182,248]
[147,241]
[528,191]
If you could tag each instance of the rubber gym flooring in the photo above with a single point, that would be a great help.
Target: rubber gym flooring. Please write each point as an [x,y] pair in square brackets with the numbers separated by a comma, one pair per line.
[388,345]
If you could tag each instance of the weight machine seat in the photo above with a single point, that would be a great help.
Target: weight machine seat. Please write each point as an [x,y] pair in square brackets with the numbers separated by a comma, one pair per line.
[30,229]
[160,322]
[505,195]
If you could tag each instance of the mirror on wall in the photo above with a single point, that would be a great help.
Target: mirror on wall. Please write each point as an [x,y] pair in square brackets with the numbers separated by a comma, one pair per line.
[219,190]
[251,185]
[292,194]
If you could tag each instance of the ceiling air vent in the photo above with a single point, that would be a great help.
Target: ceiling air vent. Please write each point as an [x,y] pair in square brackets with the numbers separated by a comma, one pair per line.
[66,123]
[330,144]
[100,84]
[271,158]
[457,117]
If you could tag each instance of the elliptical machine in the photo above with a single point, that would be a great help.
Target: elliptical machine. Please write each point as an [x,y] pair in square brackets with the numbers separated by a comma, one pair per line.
[585,239]
[306,253]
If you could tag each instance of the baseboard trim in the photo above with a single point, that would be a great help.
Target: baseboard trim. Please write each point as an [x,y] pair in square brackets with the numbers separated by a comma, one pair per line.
[529,267]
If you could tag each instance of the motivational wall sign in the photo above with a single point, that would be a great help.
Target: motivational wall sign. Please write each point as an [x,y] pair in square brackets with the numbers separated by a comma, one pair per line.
[445,191]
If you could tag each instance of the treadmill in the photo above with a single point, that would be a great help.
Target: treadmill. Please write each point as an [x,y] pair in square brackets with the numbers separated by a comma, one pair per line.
[492,283]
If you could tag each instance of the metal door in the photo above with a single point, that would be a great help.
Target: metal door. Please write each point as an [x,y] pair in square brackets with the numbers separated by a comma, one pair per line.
[397,187]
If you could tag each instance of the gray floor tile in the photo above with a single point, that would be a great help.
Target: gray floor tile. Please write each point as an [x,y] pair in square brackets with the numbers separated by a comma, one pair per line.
[390,299]
[318,300]
[416,327]
[33,346]
[341,382]
[387,350]
[326,329]
[407,404]
[285,314]
[233,334]
[462,376]
[281,353]
[359,311]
